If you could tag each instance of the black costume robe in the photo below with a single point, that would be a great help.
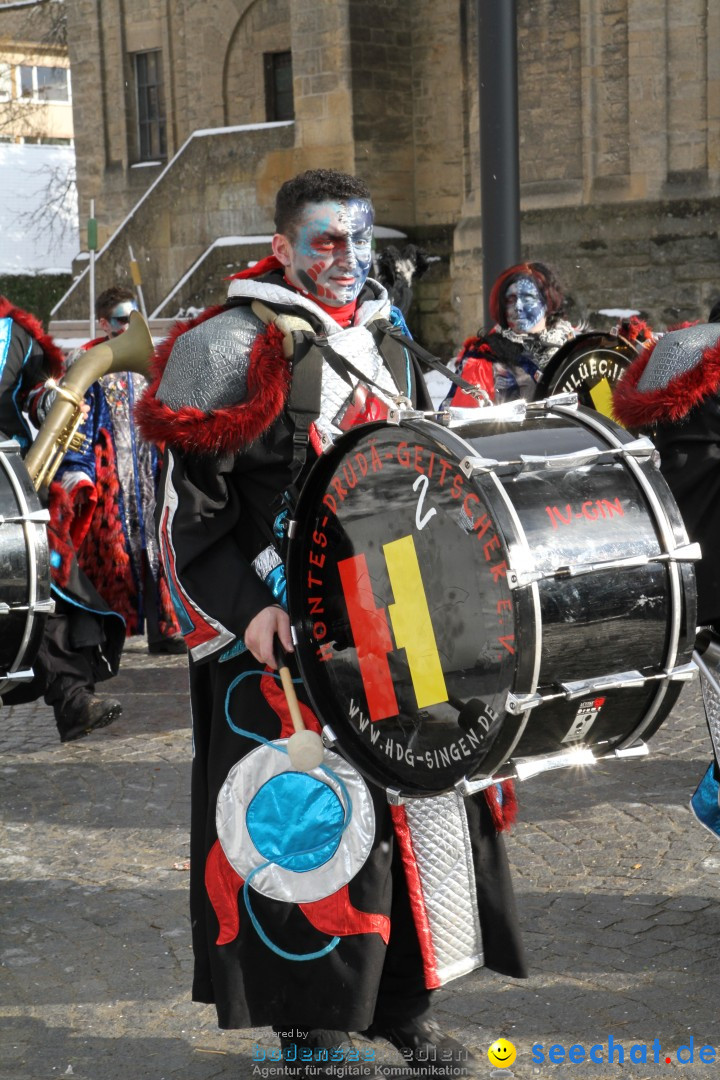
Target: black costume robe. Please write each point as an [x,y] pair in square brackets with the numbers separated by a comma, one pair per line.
[221,410]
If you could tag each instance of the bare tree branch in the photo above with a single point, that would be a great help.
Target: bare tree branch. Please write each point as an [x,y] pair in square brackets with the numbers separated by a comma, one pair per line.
[43,25]
[54,219]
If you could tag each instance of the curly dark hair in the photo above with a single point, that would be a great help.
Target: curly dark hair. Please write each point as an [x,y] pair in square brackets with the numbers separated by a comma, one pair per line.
[315,185]
[106,301]
[546,282]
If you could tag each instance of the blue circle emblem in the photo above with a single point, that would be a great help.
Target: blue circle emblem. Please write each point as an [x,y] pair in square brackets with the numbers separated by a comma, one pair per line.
[296,821]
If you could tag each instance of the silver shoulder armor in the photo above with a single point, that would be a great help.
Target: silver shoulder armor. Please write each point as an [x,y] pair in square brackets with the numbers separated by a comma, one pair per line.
[675,353]
[208,365]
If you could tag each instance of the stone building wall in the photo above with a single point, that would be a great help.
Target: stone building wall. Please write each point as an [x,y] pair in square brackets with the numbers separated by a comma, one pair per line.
[383,108]
[216,174]
[619,106]
[264,28]
[438,80]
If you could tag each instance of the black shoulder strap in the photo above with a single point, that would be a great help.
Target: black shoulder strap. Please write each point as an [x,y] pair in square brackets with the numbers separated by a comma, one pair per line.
[434,363]
[303,404]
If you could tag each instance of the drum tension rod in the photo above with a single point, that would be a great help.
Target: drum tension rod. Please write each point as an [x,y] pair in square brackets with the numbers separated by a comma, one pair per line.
[643,449]
[39,517]
[525,768]
[399,416]
[568,401]
[517,579]
[45,607]
[18,676]
[623,680]
[638,749]
[508,412]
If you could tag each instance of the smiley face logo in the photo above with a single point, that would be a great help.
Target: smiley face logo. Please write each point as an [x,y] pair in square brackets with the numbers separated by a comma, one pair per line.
[501,1054]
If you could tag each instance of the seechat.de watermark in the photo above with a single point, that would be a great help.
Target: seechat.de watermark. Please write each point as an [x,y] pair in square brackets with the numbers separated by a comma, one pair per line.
[613,1052]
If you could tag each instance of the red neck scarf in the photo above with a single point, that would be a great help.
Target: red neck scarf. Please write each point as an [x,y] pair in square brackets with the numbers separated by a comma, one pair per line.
[342,315]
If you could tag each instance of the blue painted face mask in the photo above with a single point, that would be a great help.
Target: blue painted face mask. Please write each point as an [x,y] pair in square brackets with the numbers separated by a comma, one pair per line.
[524,307]
[331,254]
[119,317]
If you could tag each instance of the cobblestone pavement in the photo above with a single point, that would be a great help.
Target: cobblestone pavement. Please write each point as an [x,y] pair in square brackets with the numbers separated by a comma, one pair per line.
[616,886]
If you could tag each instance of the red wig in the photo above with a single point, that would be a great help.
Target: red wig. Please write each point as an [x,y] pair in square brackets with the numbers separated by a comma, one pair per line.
[543,278]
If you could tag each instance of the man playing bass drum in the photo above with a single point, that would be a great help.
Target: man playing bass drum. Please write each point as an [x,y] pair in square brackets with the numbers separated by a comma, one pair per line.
[241,423]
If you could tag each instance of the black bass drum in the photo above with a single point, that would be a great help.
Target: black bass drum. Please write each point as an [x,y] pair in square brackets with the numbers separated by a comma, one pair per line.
[589,365]
[25,600]
[489,598]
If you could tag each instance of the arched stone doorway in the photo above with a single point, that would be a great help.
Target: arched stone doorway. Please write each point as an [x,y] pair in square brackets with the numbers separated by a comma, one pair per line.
[259,46]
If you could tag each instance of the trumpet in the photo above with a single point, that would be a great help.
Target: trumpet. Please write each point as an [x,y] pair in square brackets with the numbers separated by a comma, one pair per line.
[59,432]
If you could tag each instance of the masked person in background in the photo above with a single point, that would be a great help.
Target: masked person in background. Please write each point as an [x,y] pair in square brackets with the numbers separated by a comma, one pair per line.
[241,424]
[82,640]
[112,483]
[527,306]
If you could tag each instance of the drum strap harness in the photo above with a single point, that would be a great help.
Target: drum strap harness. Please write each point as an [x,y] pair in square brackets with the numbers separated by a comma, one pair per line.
[306,347]
[433,363]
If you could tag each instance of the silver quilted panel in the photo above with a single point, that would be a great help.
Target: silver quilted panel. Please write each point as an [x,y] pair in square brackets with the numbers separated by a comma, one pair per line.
[711,700]
[441,841]
[677,352]
[208,365]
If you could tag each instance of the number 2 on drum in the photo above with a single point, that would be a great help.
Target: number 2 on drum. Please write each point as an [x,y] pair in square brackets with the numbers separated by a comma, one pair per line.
[421,521]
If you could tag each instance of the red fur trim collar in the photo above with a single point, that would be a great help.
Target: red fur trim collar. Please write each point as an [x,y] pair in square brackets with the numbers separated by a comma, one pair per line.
[223,430]
[265,266]
[55,359]
[668,404]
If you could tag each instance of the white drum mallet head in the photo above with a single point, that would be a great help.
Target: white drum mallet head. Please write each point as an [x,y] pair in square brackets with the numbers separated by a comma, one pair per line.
[305,748]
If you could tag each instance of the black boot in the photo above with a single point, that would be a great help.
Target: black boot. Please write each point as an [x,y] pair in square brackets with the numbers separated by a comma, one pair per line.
[83,714]
[168,646]
[333,1055]
[426,1048]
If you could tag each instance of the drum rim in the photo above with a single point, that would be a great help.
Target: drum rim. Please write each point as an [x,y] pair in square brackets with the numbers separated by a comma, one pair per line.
[31,530]
[665,521]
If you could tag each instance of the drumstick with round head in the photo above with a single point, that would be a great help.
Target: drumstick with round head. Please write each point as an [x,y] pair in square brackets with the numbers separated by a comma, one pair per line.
[305,748]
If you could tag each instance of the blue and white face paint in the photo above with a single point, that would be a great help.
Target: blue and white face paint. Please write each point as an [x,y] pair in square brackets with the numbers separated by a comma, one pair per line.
[525,309]
[330,255]
[118,320]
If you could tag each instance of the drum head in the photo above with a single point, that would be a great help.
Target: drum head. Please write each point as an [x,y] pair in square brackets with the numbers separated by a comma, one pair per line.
[590,366]
[398,596]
